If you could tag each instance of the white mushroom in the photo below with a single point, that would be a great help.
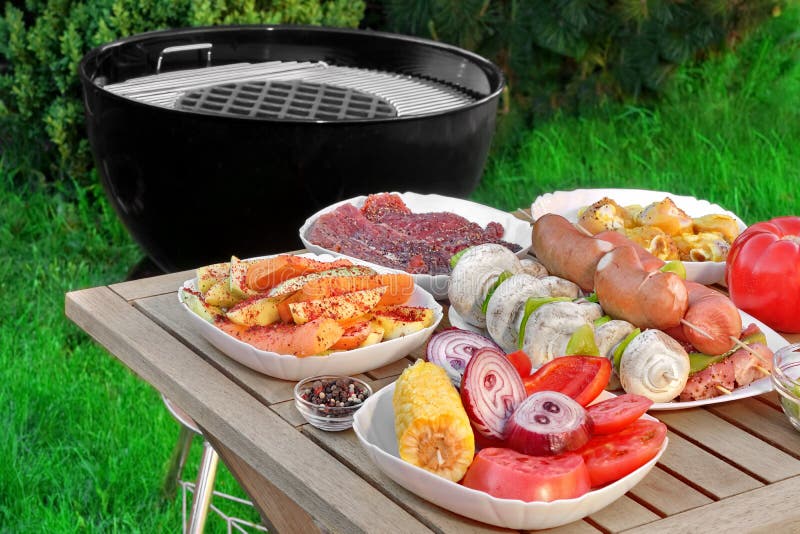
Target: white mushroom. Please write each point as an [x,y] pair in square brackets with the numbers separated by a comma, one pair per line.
[560,287]
[507,304]
[533,267]
[654,365]
[475,272]
[550,327]
[608,336]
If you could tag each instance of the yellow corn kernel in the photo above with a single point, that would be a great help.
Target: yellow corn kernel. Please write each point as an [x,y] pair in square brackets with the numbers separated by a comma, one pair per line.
[432,427]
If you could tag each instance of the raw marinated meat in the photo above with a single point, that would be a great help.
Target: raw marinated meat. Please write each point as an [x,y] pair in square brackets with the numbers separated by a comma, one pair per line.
[704,384]
[739,369]
[385,232]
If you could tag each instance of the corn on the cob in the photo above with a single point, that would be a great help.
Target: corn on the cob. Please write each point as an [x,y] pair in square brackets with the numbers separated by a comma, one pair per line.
[433,430]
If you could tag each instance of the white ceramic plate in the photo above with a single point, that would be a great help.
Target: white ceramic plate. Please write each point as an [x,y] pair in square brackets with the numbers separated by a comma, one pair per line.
[567,204]
[774,342]
[289,367]
[516,230]
[374,426]
[459,322]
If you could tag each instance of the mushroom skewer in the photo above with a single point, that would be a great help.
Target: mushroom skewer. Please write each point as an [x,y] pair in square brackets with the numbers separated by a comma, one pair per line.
[474,275]
[551,326]
[608,336]
[533,267]
[506,306]
[654,365]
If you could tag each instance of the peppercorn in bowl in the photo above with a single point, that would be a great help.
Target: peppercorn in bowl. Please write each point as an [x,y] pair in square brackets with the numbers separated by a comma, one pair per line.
[329,402]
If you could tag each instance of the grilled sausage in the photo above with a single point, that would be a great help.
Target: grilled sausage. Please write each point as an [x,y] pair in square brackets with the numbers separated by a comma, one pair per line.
[627,291]
[565,251]
[649,261]
[712,313]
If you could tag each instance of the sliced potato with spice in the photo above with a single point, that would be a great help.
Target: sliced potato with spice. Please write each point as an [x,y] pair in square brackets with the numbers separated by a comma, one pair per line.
[293,284]
[398,321]
[375,336]
[198,305]
[220,294]
[306,307]
[255,311]
[209,275]
[238,278]
[340,307]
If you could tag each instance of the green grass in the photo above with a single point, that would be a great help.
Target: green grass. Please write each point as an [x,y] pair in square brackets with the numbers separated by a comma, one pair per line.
[83,442]
[727,132]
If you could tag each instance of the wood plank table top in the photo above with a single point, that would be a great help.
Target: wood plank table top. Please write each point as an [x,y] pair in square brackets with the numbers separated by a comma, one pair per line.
[728,466]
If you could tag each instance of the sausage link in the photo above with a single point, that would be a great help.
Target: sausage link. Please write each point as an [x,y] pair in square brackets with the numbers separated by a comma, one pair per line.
[627,291]
[713,313]
[565,251]
[618,239]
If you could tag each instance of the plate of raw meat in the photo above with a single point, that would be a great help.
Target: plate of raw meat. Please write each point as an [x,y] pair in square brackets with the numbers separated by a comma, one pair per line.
[411,232]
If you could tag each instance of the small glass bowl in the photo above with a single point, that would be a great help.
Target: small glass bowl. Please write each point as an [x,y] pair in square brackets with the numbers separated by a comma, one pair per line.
[323,416]
[786,380]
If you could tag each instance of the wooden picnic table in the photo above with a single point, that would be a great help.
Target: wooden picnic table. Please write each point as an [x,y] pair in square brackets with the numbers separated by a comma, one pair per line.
[728,466]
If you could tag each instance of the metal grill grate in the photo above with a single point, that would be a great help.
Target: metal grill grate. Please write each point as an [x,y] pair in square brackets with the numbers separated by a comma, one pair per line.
[405,95]
[291,99]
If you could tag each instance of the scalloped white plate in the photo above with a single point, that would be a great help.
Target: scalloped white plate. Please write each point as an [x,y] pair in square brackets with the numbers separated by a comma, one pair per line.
[567,204]
[517,231]
[289,367]
[774,342]
[374,426]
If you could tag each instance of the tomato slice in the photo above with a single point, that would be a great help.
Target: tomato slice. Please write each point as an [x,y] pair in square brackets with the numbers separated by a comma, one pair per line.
[613,415]
[610,457]
[581,377]
[522,363]
[508,474]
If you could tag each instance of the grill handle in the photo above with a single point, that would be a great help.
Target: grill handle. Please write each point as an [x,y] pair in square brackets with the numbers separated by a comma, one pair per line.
[184,48]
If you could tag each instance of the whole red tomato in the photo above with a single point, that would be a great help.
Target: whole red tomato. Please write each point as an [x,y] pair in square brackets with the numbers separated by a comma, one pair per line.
[763,272]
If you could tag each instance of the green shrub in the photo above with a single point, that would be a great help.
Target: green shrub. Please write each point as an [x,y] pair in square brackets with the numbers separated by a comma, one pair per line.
[42,45]
[566,53]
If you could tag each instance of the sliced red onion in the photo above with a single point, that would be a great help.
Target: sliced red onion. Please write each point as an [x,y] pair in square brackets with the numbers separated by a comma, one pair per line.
[491,389]
[452,349]
[548,423]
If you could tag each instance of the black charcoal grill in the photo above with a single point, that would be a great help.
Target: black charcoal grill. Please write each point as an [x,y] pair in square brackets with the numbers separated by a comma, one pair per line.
[220,141]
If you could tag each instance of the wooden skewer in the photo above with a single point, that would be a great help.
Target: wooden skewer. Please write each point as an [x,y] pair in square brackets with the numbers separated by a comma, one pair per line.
[584,230]
[738,342]
[723,389]
[525,214]
[763,370]
[696,329]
